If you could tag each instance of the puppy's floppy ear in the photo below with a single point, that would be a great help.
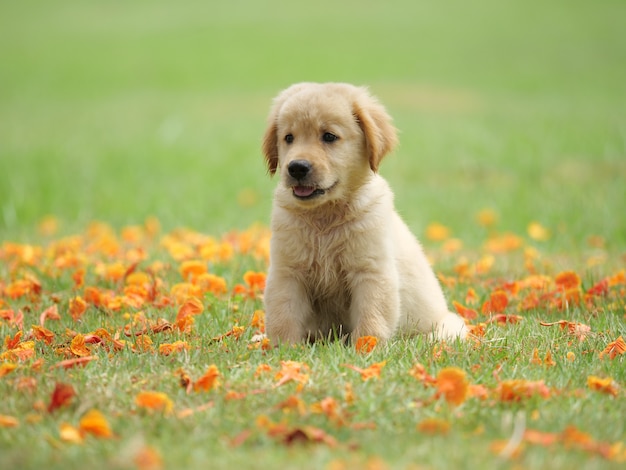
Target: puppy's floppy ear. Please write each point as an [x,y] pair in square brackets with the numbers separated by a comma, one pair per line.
[270,145]
[380,135]
[270,139]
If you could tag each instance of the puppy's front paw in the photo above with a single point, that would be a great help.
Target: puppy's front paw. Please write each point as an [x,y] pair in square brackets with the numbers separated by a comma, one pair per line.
[286,332]
[450,327]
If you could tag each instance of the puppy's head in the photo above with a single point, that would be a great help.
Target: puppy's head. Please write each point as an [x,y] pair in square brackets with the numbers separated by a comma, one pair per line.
[325,139]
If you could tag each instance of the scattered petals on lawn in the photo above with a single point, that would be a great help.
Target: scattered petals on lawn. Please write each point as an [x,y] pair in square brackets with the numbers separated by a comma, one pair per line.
[176,302]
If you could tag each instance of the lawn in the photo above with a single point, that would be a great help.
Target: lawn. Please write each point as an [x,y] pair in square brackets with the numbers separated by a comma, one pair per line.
[133,207]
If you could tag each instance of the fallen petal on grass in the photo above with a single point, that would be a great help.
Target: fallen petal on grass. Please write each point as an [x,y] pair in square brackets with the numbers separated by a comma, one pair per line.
[94,422]
[78,361]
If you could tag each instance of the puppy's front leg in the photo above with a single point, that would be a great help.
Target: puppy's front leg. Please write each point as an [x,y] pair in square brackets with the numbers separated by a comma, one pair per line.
[287,308]
[375,307]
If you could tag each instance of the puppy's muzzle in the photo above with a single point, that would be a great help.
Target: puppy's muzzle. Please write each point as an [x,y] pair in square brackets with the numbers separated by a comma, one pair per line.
[299,169]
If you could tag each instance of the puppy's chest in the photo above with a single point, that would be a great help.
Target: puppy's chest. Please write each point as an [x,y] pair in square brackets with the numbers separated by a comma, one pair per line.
[325,261]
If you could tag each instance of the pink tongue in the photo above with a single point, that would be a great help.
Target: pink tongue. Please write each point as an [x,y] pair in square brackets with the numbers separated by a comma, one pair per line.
[303,191]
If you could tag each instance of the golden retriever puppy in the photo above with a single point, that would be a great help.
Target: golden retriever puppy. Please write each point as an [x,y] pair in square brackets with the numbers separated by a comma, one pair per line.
[342,262]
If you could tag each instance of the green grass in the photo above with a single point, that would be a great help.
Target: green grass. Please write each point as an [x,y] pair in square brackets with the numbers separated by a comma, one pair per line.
[118,111]
[115,111]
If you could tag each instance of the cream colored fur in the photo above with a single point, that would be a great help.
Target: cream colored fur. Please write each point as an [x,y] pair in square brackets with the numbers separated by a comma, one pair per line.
[342,262]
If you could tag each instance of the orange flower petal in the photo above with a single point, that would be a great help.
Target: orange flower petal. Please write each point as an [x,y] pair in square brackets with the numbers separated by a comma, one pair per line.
[78,361]
[503,319]
[192,268]
[148,458]
[258,320]
[78,347]
[366,344]
[497,302]
[452,384]
[517,390]
[78,307]
[614,348]
[61,396]
[9,421]
[11,343]
[567,280]
[540,438]
[292,371]
[208,282]
[434,426]
[177,346]
[606,385]
[209,380]
[51,313]
[154,401]
[371,372]
[464,312]
[255,280]
[94,422]
[69,433]
[418,371]
[437,232]
[191,306]
[6,368]
[43,334]
[538,232]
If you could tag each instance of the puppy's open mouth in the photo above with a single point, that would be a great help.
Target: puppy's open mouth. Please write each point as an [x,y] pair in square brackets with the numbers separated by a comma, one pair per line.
[309,192]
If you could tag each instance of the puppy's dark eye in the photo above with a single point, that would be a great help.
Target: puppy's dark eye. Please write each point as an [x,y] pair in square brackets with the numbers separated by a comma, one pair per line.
[328,137]
[289,138]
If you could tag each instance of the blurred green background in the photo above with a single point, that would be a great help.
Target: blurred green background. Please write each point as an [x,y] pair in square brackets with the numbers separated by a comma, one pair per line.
[118,110]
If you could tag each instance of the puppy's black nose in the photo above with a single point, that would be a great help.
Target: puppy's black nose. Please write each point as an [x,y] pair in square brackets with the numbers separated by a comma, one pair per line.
[298,169]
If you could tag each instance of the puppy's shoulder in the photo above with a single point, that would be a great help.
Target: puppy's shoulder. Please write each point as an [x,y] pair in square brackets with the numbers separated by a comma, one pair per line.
[377,196]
